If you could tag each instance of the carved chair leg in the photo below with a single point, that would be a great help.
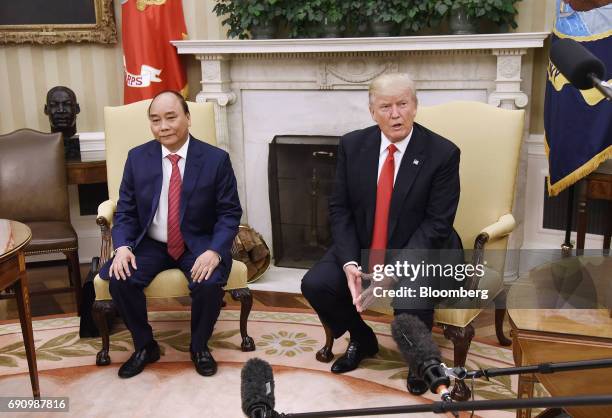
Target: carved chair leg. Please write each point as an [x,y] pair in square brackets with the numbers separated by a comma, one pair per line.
[325,354]
[500,314]
[246,302]
[74,270]
[461,339]
[103,312]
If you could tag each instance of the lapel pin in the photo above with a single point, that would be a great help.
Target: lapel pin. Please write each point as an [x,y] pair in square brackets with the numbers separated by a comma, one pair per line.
[415,162]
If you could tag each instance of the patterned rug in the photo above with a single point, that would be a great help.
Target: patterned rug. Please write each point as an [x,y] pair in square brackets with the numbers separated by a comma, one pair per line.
[171,387]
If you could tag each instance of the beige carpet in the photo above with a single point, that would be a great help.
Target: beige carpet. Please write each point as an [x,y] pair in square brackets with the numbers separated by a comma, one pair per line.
[172,388]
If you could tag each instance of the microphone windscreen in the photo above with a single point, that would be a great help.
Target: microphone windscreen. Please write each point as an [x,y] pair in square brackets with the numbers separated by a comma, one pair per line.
[414,341]
[576,62]
[256,385]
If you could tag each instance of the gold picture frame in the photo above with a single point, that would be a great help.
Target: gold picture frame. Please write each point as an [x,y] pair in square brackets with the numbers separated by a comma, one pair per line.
[102,31]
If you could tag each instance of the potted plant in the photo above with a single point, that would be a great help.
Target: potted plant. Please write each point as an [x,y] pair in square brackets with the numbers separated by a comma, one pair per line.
[303,18]
[259,18]
[416,16]
[334,13]
[311,18]
[464,15]
[384,15]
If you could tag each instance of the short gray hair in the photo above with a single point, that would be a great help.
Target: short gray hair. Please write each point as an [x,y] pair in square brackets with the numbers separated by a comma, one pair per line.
[390,83]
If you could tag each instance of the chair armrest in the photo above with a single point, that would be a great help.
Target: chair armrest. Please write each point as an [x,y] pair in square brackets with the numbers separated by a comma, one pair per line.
[501,228]
[106,210]
[504,225]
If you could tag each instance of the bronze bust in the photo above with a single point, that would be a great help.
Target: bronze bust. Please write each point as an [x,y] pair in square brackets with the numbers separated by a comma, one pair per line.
[62,108]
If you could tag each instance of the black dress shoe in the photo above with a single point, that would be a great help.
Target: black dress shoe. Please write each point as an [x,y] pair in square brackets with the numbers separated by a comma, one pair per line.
[139,359]
[415,385]
[355,352]
[204,362]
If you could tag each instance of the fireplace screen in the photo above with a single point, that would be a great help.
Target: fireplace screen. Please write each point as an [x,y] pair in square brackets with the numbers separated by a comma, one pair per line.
[300,175]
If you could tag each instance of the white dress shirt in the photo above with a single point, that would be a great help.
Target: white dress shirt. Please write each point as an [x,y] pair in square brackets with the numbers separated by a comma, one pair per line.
[398,156]
[159,227]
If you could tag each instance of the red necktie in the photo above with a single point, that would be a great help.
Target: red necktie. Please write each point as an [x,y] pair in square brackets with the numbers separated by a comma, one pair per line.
[176,246]
[381,216]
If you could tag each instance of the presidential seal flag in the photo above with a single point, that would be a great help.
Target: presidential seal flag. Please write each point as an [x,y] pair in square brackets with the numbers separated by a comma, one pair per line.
[150,61]
[578,123]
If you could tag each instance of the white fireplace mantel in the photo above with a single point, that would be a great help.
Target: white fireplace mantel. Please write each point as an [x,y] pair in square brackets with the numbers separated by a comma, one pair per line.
[215,57]
[400,43]
[263,88]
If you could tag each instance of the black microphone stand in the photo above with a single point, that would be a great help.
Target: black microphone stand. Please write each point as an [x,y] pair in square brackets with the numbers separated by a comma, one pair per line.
[443,407]
[461,373]
[603,87]
[542,368]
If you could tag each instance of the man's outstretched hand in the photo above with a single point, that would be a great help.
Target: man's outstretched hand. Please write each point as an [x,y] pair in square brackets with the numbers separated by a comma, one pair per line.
[205,265]
[367,297]
[353,279]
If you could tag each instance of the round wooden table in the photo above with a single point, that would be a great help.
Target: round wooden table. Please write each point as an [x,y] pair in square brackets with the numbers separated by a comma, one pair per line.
[14,237]
[564,334]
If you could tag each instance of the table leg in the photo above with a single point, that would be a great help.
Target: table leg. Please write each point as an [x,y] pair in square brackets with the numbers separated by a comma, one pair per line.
[581,224]
[25,318]
[525,390]
[608,230]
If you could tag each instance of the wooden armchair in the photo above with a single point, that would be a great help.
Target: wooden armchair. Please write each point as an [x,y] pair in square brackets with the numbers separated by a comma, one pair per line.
[126,127]
[490,140]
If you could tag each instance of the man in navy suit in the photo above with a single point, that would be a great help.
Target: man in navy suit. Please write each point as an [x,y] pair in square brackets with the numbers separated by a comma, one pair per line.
[178,208]
[396,187]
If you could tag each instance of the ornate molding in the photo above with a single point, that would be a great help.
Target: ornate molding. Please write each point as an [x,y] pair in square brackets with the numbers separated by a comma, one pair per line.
[508,93]
[509,100]
[103,31]
[322,55]
[353,71]
[222,99]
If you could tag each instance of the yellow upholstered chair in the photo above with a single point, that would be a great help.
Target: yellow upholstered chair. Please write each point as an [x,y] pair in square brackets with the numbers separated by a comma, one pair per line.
[126,127]
[489,139]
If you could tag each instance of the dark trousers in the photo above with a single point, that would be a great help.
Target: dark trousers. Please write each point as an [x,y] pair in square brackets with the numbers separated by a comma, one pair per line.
[128,295]
[326,289]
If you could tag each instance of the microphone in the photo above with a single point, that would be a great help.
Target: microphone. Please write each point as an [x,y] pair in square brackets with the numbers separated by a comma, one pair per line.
[257,389]
[421,353]
[583,69]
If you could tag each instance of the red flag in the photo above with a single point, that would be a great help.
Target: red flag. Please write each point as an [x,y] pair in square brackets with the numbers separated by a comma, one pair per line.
[150,61]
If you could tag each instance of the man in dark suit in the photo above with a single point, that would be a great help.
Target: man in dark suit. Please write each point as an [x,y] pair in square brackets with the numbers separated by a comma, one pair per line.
[396,187]
[178,208]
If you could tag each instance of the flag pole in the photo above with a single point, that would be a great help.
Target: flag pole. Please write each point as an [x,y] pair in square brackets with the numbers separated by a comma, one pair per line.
[566,247]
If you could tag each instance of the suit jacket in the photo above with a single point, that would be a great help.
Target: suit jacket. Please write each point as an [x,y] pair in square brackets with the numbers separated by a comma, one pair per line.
[210,208]
[424,200]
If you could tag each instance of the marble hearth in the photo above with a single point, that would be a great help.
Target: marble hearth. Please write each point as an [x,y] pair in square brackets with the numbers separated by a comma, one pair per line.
[264,88]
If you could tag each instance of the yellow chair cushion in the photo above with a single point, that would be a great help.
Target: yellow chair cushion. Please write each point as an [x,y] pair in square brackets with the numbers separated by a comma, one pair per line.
[460,313]
[173,283]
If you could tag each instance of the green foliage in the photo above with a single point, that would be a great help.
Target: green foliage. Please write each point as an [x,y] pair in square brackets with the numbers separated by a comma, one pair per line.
[307,17]
[243,15]
[500,12]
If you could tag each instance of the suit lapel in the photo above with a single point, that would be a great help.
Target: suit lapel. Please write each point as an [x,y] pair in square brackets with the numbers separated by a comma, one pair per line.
[155,162]
[407,174]
[368,161]
[193,165]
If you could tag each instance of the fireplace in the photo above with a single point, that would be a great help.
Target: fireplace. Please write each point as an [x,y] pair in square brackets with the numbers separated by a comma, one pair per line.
[300,178]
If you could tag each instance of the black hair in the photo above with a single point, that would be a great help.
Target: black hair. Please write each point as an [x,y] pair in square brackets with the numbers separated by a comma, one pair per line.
[178,95]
